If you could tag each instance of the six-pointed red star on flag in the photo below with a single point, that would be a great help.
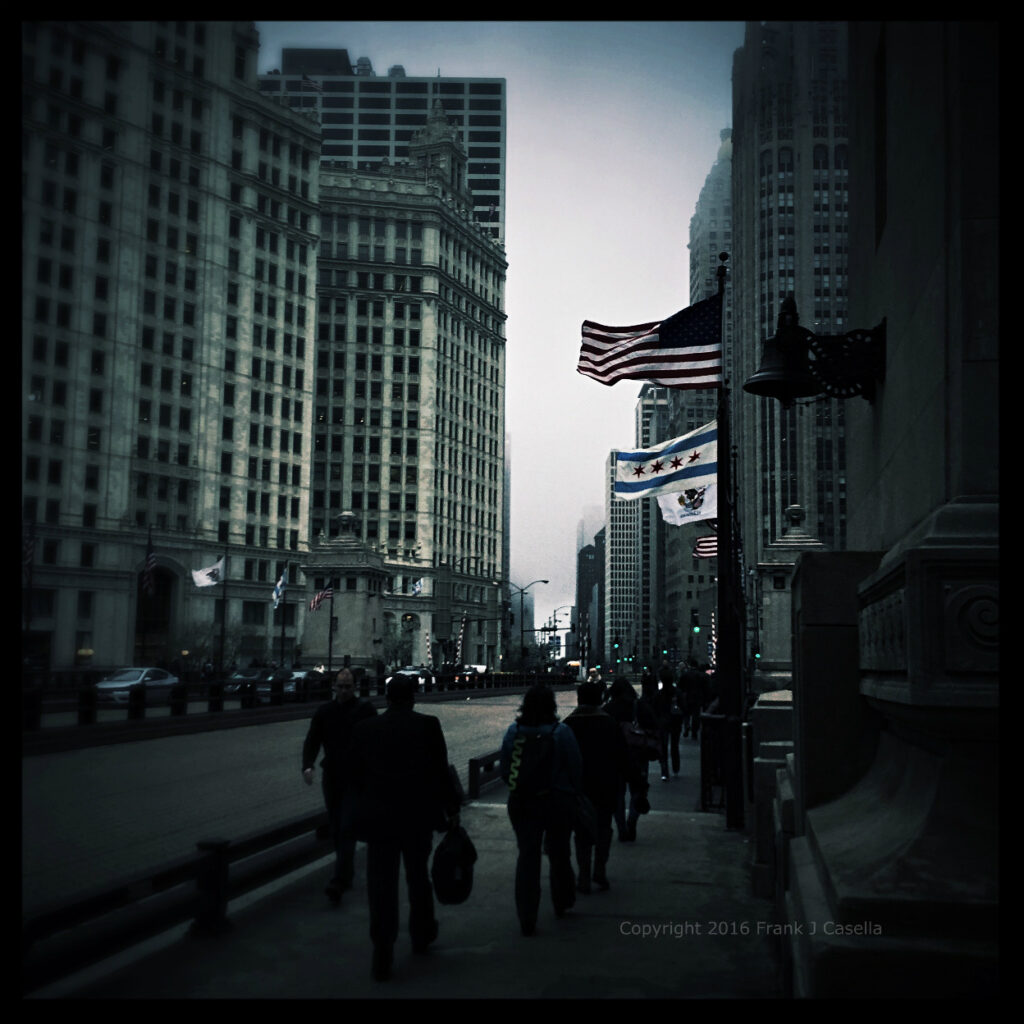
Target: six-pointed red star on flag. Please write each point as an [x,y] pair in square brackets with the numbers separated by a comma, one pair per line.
[639,471]
[677,462]
[657,467]
[694,457]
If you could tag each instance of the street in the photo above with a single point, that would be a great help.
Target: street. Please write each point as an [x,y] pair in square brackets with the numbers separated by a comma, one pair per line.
[92,816]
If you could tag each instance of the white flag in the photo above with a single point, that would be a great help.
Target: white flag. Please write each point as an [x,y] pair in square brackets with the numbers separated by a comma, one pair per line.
[211,576]
[690,461]
[689,506]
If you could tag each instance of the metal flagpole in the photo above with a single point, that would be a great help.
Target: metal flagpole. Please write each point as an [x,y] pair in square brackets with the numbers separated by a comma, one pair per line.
[224,614]
[284,605]
[330,634]
[727,661]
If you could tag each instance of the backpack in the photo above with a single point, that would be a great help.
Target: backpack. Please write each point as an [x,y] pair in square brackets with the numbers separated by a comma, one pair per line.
[532,766]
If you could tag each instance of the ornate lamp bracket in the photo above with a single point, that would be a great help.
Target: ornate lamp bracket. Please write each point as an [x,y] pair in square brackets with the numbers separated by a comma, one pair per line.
[848,364]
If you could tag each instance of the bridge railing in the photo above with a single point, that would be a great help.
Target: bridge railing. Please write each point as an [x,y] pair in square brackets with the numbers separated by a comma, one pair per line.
[194,889]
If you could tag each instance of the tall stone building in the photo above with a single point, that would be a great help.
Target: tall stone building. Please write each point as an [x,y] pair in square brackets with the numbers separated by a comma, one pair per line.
[409,411]
[686,577]
[790,225]
[620,599]
[169,229]
[370,119]
[653,629]
[890,806]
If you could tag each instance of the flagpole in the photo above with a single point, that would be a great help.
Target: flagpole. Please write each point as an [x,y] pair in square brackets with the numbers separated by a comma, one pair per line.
[224,615]
[330,634]
[727,662]
[284,604]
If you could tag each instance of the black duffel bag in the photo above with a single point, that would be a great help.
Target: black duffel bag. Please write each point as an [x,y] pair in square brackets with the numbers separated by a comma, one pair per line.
[452,868]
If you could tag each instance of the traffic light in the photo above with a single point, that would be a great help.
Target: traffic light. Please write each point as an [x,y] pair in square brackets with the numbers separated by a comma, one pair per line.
[694,623]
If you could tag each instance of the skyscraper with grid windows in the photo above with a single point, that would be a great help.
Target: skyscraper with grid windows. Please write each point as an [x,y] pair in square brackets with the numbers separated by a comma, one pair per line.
[169,218]
[369,119]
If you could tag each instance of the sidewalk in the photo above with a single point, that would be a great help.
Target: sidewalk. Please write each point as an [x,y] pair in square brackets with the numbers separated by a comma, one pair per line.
[679,921]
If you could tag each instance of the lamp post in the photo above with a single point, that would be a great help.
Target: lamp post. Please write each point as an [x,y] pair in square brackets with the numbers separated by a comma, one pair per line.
[554,624]
[522,591]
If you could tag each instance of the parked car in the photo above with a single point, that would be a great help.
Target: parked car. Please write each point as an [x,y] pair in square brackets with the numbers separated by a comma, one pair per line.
[423,676]
[114,689]
[242,678]
[264,685]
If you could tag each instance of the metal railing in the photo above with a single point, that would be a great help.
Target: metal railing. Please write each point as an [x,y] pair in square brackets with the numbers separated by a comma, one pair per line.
[196,888]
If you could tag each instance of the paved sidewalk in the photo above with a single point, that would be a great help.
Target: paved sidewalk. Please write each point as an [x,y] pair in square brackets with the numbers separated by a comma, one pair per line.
[679,921]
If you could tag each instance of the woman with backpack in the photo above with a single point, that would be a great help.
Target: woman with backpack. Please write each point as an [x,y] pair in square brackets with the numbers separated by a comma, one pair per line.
[541,764]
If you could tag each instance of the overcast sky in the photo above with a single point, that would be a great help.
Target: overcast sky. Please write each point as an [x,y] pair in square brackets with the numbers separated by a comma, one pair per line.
[612,129]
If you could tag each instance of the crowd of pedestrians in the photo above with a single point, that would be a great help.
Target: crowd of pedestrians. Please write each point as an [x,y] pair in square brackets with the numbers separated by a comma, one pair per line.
[386,781]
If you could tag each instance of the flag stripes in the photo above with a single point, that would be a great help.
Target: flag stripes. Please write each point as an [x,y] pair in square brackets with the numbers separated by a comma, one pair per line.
[684,351]
[320,597]
[706,547]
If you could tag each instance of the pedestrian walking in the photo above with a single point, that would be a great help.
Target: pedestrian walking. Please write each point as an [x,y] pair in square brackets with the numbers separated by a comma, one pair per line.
[404,794]
[330,729]
[624,706]
[670,706]
[606,763]
[695,697]
[540,762]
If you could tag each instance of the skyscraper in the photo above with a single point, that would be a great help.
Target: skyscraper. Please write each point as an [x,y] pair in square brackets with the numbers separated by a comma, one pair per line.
[409,417]
[169,258]
[790,205]
[621,576]
[686,577]
[369,120]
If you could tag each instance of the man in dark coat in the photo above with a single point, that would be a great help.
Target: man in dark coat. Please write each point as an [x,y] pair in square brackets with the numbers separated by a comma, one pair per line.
[694,684]
[606,764]
[404,793]
[331,729]
[622,704]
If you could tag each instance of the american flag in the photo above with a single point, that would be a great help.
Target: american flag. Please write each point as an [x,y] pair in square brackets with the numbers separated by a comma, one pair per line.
[706,547]
[307,81]
[148,578]
[320,597]
[683,351]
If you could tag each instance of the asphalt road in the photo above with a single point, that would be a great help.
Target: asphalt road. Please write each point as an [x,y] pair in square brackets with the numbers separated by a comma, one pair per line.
[92,816]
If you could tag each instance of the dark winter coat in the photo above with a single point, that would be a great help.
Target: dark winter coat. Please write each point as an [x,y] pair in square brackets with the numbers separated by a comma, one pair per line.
[399,763]
[606,759]
[331,728]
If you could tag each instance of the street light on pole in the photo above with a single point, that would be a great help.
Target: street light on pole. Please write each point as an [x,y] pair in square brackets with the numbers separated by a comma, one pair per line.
[522,591]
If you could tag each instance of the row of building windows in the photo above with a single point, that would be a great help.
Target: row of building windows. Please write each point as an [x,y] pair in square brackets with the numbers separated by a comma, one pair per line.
[446,90]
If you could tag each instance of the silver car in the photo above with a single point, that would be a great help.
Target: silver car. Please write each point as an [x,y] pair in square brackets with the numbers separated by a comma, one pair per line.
[115,688]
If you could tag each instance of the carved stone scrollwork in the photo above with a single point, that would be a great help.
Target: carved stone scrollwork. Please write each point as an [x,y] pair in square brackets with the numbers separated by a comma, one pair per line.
[971,633]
